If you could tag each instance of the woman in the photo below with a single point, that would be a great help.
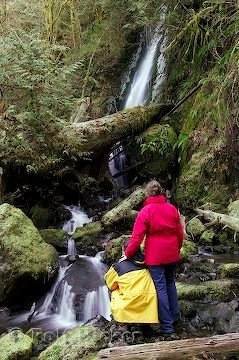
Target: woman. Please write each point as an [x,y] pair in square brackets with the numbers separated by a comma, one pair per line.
[160,223]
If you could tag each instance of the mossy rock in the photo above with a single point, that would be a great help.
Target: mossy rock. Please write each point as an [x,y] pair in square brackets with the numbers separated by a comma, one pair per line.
[222,290]
[188,309]
[233,208]
[189,248]
[114,250]
[195,227]
[27,262]
[229,270]
[88,235]
[54,237]
[207,237]
[155,146]
[80,343]
[201,181]
[15,346]
[42,217]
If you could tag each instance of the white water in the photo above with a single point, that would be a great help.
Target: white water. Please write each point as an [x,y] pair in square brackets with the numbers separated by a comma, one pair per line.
[79,218]
[96,302]
[139,89]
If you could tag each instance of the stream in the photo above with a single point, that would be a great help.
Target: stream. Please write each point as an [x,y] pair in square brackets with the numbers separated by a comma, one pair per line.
[81,281]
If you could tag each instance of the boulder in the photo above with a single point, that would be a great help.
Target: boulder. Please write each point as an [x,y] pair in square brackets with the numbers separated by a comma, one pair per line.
[79,343]
[229,270]
[113,250]
[42,217]
[87,235]
[54,237]
[217,290]
[154,146]
[15,345]
[195,227]
[27,262]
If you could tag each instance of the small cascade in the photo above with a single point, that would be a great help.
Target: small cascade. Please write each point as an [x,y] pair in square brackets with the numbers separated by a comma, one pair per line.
[79,218]
[57,311]
[66,305]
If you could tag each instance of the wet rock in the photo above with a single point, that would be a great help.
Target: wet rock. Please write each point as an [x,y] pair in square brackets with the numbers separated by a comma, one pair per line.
[234,304]
[234,323]
[188,309]
[15,345]
[195,227]
[27,262]
[78,343]
[42,217]
[55,237]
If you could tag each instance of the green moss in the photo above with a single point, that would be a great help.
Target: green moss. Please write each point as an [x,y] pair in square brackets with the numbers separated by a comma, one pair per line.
[24,253]
[207,237]
[15,345]
[189,248]
[41,217]
[210,290]
[114,250]
[55,237]
[195,227]
[229,270]
[76,344]
[88,233]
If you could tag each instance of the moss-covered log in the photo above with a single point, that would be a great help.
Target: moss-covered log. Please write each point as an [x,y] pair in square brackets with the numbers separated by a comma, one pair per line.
[125,209]
[187,349]
[226,220]
[98,134]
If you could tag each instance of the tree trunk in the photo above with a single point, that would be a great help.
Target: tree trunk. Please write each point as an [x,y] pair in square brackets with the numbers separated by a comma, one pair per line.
[230,221]
[125,208]
[94,135]
[188,349]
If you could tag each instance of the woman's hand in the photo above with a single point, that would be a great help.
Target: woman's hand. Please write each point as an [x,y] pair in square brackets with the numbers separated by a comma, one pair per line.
[124,257]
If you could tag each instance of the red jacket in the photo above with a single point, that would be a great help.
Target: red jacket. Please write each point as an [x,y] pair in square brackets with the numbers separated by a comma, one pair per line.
[160,222]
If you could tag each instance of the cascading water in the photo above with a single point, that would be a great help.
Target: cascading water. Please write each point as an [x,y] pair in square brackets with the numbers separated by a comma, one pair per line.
[138,94]
[57,311]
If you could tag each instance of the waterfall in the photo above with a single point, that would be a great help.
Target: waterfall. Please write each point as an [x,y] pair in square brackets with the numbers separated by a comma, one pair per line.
[138,94]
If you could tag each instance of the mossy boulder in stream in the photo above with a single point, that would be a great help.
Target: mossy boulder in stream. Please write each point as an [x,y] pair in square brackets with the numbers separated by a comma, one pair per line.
[113,250]
[27,262]
[80,343]
[55,237]
[217,290]
[207,237]
[15,346]
[229,270]
[87,235]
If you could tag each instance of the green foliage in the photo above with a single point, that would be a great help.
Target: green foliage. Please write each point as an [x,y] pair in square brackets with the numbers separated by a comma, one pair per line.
[36,88]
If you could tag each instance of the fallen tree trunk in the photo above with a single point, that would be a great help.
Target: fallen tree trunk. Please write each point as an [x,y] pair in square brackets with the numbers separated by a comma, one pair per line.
[125,208]
[94,135]
[188,349]
[226,220]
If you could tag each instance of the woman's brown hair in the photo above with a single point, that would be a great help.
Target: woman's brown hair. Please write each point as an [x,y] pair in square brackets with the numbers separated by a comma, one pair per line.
[153,188]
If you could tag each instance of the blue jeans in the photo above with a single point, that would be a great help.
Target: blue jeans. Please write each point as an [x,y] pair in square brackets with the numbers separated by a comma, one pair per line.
[164,280]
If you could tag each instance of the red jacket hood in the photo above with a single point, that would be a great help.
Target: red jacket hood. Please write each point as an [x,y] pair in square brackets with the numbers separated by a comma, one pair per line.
[155,200]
